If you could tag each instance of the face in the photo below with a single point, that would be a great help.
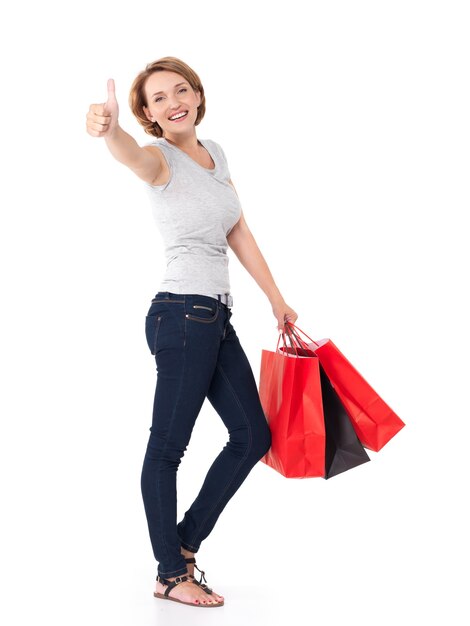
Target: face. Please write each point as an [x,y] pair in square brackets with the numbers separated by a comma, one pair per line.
[168,93]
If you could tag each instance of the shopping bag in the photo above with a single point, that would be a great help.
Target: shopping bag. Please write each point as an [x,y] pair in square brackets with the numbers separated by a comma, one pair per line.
[343,450]
[291,397]
[373,420]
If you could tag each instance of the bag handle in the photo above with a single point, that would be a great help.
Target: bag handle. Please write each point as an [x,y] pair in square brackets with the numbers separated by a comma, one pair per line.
[278,340]
[292,337]
[301,342]
[284,341]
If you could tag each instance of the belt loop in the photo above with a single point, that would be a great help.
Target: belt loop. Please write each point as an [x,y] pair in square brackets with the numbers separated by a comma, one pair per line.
[219,299]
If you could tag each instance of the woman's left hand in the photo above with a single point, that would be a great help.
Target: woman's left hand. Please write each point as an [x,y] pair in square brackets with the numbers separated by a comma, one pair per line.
[283,313]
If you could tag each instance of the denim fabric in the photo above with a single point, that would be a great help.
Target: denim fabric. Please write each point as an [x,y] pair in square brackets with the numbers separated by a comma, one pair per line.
[198,355]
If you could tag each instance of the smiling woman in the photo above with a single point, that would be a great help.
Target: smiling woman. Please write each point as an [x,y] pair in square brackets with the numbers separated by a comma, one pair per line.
[160,82]
[188,324]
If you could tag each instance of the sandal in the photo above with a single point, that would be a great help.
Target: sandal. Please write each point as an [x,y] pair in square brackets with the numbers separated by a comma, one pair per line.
[172,583]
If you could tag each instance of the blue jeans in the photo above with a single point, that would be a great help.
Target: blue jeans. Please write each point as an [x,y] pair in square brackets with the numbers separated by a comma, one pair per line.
[198,354]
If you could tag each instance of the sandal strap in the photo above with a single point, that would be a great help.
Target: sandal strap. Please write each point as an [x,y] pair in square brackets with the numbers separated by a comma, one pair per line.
[202,585]
[193,560]
[199,582]
[202,573]
[171,583]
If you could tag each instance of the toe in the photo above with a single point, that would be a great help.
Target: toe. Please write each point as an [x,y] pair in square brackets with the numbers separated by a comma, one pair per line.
[215,599]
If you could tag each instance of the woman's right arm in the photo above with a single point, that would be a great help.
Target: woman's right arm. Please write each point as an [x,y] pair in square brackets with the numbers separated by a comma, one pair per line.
[102,121]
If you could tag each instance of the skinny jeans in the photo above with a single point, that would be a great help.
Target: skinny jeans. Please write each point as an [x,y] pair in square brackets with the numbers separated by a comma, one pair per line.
[198,354]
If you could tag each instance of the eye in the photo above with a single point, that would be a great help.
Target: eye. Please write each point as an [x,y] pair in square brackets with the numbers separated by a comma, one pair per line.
[182,89]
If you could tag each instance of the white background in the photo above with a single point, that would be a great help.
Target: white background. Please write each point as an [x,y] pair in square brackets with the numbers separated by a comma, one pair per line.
[346,128]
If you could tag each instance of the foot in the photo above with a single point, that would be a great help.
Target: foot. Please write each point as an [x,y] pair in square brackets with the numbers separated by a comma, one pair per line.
[187,592]
[190,567]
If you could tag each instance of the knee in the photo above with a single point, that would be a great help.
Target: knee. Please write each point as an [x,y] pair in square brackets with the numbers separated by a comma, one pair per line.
[162,454]
[251,442]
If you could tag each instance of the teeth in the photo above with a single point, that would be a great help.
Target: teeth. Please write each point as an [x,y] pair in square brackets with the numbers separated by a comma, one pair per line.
[175,117]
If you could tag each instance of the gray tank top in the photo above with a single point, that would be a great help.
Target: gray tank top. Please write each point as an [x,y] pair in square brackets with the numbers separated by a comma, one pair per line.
[195,211]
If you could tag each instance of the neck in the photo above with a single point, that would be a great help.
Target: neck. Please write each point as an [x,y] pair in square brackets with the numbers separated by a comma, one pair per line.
[189,144]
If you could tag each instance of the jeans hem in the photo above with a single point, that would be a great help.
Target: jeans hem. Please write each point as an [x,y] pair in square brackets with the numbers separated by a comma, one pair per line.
[189,547]
[176,572]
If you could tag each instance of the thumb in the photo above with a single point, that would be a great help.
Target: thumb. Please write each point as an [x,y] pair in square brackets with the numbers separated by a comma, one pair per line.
[111,90]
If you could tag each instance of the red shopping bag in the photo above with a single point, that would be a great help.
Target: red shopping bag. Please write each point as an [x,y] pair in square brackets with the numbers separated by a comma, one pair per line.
[373,420]
[290,394]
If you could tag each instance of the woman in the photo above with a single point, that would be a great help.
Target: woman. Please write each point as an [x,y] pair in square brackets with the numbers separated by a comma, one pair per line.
[188,329]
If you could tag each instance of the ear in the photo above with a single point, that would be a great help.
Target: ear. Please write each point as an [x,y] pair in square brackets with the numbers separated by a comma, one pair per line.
[147,113]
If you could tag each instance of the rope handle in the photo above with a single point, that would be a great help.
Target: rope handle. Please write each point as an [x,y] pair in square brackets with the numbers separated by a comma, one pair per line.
[284,342]
[294,338]
[295,334]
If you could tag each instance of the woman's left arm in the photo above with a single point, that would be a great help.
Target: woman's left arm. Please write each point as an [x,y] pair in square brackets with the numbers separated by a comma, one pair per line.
[241,241]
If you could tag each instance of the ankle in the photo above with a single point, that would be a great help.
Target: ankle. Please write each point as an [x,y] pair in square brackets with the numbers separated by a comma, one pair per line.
[172,578]
[187,553]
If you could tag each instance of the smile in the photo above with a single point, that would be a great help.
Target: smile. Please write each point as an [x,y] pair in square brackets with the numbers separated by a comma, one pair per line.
[179,116]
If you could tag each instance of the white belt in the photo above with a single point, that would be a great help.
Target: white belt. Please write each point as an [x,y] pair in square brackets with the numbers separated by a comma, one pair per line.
[225,298]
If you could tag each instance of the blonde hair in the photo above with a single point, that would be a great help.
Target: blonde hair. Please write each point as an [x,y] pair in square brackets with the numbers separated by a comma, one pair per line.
[137,98]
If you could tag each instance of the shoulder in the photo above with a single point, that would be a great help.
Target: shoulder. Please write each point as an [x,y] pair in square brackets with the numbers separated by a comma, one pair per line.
[217,148]
[223,160]
[157,143]
[215,145]
[159,149]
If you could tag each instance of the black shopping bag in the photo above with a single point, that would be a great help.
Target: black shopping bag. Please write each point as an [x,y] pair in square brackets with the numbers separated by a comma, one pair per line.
[343,448]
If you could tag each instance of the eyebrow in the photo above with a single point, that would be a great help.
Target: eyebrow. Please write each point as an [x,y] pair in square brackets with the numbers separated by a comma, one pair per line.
[177,85]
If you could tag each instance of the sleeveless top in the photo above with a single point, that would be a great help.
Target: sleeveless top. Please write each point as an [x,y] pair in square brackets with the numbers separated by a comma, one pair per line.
[195,211]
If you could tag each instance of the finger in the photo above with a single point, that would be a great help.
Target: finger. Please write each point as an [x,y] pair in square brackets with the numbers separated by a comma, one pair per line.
[111,90]
[94,133]
[102,119]
[98,127]
[97,109]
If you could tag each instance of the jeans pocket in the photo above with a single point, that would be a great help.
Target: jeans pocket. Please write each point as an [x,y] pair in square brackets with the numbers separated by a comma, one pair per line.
[203,313]
[152,326]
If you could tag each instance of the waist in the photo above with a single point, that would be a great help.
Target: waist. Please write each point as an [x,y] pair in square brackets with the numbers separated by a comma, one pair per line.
[225,299]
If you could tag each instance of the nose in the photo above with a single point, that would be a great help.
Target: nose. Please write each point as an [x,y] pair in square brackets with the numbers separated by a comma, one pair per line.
[174,105]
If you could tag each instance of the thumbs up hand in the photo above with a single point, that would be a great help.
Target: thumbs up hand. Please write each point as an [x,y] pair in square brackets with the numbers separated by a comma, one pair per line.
[102,119]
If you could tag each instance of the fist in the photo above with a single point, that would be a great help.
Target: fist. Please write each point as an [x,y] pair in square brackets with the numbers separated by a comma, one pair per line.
[102,119]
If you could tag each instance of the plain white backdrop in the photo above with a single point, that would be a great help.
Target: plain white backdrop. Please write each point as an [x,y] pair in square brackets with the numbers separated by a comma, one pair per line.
[346,128]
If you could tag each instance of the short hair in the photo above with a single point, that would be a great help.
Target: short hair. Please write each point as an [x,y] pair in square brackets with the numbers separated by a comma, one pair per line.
[137,98]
